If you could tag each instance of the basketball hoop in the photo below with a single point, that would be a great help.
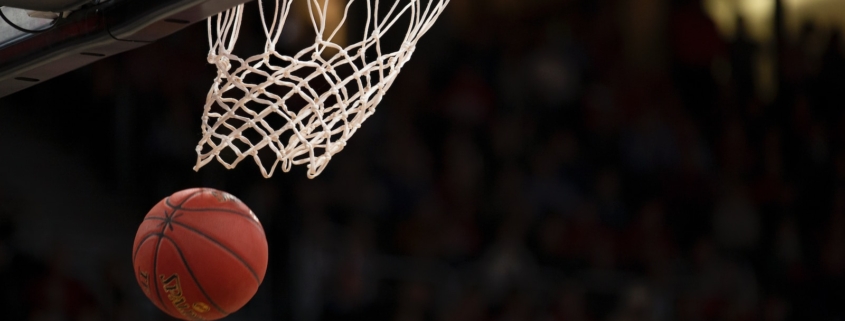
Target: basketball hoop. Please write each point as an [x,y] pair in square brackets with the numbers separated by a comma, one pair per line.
[302,109]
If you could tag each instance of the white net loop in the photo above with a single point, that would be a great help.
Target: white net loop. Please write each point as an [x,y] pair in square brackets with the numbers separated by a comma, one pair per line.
[303,108]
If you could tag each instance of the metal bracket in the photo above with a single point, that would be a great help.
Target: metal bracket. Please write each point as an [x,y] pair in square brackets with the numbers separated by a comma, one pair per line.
[46,14]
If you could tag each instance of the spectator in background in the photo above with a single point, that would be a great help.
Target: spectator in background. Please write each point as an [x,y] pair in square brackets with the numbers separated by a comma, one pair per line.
[695,44]
[742,57]
[831,79]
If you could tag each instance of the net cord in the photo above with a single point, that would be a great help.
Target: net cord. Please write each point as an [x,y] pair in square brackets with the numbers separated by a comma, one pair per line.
[319,130]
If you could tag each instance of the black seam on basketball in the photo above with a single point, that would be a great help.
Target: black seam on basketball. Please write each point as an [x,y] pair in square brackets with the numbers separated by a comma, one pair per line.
[155,263]
[240,259]
[180,208]
[144,240]
[221,210]
[188,198]
[155,272]
[191,273]
[156,217]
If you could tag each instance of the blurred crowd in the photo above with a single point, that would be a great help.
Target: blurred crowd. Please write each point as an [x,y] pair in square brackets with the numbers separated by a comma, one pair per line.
[542,160]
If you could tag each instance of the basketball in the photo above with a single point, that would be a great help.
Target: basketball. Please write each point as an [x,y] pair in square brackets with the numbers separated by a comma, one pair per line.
[200,254]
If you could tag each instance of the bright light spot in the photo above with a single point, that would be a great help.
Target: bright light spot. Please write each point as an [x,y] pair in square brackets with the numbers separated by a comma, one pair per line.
[723,14]
[758,8]
[757,14]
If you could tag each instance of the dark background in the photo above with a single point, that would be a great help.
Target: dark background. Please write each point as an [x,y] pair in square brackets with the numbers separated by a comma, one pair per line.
[536,160]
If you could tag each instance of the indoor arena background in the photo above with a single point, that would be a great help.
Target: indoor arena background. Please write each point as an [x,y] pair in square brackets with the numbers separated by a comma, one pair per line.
[536,160]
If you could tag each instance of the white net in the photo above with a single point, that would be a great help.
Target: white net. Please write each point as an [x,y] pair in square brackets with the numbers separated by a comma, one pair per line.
[290,110]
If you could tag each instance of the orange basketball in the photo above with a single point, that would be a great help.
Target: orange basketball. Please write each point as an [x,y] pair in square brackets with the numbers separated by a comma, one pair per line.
[200,254]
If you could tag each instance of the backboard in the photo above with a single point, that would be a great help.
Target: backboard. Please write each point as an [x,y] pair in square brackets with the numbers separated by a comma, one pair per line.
[87,31]
[47,5]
